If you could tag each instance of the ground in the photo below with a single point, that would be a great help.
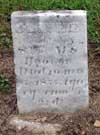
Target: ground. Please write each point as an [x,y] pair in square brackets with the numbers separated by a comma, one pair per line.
[80,123]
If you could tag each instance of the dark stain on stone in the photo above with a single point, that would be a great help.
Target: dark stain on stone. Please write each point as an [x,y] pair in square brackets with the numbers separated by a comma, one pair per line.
[58,16]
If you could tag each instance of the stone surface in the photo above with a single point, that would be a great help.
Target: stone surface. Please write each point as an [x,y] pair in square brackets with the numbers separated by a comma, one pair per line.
[36,127]
[50,55]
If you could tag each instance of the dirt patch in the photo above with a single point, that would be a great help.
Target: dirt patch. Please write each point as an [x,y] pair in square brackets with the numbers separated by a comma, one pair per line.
[80,123]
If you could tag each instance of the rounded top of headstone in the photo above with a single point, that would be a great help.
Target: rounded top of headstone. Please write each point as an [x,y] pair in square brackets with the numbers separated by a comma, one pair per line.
[47,13]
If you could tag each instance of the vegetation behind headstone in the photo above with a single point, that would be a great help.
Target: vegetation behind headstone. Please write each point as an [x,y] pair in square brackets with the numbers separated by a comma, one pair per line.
[92,6]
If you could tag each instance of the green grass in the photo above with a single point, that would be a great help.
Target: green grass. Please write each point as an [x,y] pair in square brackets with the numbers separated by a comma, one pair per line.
[92,6]
[5,35]
[4,84]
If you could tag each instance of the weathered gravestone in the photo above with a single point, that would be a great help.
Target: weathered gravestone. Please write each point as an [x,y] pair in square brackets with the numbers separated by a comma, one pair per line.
[50,55]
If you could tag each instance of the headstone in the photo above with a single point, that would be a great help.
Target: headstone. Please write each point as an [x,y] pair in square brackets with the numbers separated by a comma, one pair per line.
[50,55]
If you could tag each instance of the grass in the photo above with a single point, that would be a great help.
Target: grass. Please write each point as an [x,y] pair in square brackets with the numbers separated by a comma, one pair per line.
[4,84]
[92,6]
[5,35]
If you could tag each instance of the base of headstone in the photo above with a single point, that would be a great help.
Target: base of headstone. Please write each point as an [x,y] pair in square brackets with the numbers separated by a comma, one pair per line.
[36,128]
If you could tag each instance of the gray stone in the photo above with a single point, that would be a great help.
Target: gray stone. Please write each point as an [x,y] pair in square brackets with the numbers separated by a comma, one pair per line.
[50,55]
[36,128]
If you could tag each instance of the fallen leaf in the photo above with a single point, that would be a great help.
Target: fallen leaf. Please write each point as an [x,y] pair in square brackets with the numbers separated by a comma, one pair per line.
[97,123]
[83,133]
